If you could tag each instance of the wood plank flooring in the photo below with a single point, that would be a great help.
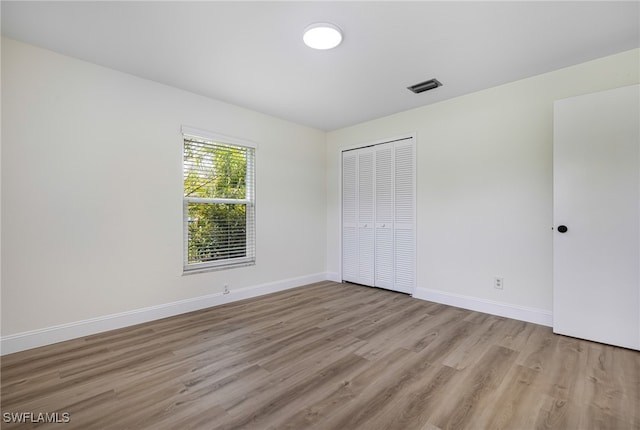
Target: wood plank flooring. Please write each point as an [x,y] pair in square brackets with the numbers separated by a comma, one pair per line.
[326,356]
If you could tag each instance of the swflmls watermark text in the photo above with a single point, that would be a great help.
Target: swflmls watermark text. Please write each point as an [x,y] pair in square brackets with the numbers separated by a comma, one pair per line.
[36,417]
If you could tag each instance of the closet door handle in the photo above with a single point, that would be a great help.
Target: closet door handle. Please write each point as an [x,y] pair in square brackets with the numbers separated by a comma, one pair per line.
[562,229]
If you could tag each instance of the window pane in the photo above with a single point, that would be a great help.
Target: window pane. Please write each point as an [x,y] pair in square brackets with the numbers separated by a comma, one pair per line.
[216,231]
[219,220]
[214,170]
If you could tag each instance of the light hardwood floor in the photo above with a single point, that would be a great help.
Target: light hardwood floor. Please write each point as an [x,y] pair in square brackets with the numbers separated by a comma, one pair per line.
[328,356]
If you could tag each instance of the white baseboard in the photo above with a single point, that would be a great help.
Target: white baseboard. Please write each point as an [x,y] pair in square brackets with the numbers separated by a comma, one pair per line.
[522,313]
[49,335]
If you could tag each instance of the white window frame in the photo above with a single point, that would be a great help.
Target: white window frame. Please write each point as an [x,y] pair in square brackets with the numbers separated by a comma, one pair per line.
[249,201]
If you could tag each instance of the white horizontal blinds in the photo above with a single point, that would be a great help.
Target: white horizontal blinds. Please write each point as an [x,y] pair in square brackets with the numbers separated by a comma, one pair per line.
[349,216]
[216,170]
[219,205]
[404,227]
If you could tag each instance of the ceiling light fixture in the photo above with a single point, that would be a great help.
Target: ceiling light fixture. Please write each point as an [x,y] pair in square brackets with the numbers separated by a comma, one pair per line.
[322,35]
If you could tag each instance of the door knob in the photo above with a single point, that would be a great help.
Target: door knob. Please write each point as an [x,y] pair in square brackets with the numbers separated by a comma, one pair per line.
[562,228]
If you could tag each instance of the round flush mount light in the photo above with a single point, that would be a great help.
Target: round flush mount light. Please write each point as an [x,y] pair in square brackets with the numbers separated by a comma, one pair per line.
[322,35]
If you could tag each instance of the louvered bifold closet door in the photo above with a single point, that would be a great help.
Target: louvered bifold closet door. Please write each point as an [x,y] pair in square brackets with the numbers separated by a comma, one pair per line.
[384,186]
[350,216]
[404,216]
[366,202]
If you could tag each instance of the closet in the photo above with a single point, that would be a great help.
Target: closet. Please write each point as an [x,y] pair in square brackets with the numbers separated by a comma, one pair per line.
[378,215]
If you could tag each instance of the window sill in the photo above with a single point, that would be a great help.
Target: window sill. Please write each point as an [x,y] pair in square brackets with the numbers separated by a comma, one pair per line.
[186,272]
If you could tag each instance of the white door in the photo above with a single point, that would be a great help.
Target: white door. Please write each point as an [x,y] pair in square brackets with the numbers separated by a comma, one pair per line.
[350,216]
[405,216]
[378,215]
[596,272]
[384,216]
[366,208]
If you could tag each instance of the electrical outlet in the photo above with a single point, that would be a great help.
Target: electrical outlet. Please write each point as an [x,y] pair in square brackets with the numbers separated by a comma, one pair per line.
[498,283]
[226,289]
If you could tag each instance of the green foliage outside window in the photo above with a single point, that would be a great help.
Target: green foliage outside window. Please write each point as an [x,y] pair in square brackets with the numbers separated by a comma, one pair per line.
[216,231]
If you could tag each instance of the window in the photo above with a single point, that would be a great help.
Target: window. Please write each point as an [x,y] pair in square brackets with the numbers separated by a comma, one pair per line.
[219,201]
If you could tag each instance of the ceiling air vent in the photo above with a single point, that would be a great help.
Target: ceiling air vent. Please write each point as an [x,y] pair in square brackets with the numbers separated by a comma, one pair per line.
[425,86]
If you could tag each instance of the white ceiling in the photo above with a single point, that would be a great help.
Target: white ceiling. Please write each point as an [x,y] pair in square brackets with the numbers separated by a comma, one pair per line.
[251,53]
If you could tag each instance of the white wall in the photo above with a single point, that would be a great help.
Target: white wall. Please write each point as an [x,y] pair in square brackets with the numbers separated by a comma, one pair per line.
[92,196]
[484,186]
